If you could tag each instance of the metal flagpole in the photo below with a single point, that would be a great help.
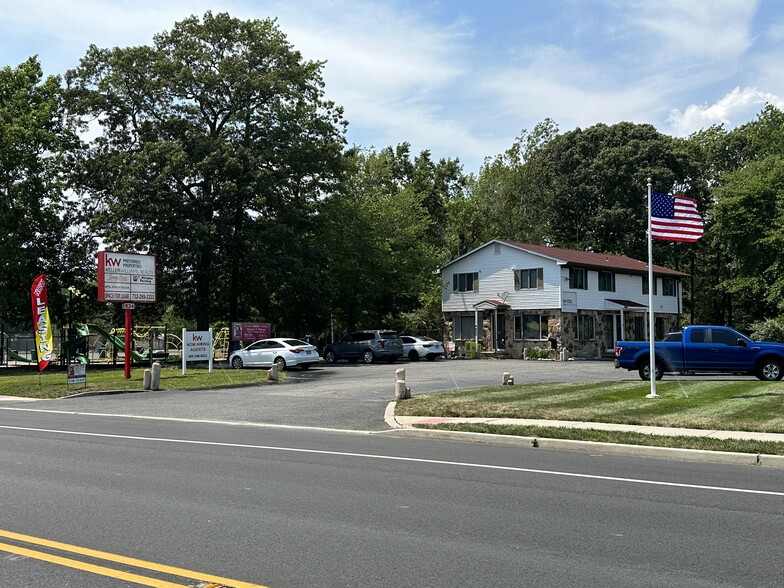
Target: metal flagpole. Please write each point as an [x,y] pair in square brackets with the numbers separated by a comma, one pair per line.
[650,302]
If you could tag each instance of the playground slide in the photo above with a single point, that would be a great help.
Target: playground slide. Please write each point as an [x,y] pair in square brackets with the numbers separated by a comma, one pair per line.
[13,354]
[117,342]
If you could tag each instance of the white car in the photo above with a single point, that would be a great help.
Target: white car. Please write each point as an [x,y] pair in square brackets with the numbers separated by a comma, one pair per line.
[280,351]
[416,347]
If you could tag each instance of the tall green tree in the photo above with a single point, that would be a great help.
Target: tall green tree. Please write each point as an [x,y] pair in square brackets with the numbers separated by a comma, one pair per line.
[738,269]
[39,232]
[750,220]
[508,199]
[216,141]
[381,237]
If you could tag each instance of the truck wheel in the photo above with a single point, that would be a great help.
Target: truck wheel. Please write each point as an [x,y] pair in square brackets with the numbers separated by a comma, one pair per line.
[645,371]
[770,370]
[329,356]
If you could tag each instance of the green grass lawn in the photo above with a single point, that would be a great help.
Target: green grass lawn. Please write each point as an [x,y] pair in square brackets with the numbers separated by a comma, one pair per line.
[741,406]
[729,405]
[53,384]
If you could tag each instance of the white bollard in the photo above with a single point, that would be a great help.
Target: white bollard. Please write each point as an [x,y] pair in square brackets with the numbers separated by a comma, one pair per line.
[146,379]
[155,378]
[272,374]
[400,390]
[400,374]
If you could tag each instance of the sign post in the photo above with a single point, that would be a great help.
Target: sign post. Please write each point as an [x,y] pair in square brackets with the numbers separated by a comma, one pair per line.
[127,278]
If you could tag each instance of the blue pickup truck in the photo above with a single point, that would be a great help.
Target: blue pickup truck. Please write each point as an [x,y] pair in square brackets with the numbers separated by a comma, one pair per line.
[703,349]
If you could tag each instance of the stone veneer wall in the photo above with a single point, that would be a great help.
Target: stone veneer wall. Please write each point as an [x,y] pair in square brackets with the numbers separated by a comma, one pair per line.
[560,325]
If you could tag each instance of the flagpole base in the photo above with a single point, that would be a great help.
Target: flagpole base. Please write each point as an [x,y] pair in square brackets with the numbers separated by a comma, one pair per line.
[652,395]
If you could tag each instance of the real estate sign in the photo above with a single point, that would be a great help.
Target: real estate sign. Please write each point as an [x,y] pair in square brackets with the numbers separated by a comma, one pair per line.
[126,277]
[250,331]
[196,346]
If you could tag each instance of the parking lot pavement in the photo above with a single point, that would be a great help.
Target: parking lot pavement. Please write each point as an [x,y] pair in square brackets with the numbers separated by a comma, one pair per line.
[340,396]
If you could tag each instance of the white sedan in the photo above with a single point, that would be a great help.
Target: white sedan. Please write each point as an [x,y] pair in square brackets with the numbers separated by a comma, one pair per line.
[281,352]
[416,347]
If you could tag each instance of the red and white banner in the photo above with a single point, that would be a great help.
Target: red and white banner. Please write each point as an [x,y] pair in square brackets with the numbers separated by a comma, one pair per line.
[44,346]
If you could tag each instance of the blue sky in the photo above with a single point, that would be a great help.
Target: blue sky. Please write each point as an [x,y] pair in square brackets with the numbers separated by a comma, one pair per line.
[463,78]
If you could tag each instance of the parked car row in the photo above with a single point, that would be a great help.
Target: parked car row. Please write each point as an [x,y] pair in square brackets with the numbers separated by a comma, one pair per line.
[366,346]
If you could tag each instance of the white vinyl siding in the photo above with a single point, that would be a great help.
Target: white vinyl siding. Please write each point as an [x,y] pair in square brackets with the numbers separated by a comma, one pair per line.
[497,280]
[496,274]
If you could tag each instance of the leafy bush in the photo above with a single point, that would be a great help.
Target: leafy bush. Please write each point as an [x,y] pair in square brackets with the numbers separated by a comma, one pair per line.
[769,330]
[536,353]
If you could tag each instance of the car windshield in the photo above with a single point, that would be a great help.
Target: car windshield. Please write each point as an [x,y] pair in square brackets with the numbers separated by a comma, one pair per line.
[389,334]
[295,342]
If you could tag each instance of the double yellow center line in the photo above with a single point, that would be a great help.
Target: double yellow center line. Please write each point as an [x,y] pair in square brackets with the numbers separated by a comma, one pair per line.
[203,579]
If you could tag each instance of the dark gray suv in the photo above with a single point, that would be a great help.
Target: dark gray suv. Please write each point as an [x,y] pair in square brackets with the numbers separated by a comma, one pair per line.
[366,345]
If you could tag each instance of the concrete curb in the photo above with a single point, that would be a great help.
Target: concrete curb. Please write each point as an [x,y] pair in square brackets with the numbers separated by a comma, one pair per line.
[776,461]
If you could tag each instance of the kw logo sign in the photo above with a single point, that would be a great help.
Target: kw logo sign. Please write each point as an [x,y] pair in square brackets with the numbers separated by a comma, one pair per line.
[112,261]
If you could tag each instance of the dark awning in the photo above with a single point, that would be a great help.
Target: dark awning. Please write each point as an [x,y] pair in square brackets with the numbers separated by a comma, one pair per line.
[626,303]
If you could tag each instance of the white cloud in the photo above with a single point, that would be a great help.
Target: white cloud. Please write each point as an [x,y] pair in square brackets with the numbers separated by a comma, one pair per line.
[715,31]
[737,107]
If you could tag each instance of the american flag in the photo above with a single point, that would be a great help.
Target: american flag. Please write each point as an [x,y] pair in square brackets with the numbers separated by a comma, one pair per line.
[675,218]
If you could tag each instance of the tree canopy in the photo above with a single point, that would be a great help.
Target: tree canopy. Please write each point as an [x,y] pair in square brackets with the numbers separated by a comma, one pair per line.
[216,148]
[216,142]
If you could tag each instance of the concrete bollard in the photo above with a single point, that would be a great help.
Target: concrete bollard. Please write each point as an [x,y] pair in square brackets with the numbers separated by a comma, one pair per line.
[402,392]
[147,379]
[272,374]
[155,377]
[508,380]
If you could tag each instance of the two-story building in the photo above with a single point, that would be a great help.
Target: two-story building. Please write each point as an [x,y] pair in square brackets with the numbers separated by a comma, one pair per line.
[510,296]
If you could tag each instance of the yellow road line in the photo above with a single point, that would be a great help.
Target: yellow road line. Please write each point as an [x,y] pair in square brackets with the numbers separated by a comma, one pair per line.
[121,559]
[85,567]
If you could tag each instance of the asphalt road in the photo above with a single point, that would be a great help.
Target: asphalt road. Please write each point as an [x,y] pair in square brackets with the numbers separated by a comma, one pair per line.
[294,507]
[340,396]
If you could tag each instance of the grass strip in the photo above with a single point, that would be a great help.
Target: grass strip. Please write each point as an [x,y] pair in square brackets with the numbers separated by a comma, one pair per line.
[627,438]
[53,384]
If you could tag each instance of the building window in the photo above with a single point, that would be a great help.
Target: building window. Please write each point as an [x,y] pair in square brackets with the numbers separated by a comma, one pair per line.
[529,278]
[464,327]
[465,282]
[668,286]
[645,285]
[578,279]
[585,327]
[606,281]
[530,326]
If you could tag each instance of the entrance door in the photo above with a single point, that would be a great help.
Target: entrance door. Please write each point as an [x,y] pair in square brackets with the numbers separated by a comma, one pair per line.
[500,335]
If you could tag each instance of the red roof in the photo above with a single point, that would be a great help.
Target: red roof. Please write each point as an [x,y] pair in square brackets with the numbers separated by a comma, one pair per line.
[599,261]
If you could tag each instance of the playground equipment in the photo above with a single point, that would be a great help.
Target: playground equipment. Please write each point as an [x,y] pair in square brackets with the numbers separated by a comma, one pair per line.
[91,343]
[13,354]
